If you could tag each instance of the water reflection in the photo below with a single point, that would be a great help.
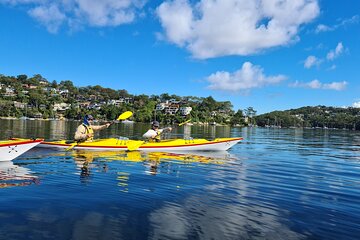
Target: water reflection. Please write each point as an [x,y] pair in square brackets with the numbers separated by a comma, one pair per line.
[84,161]
[281,184]
[153,163]
[12,175]
[175,221]
[139,156]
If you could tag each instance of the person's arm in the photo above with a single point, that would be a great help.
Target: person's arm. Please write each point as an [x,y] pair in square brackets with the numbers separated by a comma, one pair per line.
[80,134]
[164,130]
[100,127]
[167,129]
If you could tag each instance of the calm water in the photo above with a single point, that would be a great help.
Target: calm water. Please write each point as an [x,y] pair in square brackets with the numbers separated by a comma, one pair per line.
[276,184]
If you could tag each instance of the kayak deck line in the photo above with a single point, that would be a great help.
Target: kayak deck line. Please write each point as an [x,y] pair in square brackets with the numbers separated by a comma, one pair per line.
[18,141]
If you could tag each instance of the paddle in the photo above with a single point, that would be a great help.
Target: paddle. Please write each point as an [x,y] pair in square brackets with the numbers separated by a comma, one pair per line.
[122,116]
[180,124]
[134,145]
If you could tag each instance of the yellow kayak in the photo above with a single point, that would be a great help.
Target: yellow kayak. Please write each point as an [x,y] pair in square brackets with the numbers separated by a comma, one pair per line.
[111,144]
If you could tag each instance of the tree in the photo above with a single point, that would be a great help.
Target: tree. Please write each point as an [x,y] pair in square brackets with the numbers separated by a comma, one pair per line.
[250,112]
[238,118]
[22,78]
[54,84]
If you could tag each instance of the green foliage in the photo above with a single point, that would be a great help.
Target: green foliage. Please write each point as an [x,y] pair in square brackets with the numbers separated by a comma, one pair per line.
[315,117]
[238,118]
[36,92]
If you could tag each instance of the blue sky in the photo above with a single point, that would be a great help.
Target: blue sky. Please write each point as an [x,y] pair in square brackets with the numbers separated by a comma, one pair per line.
[268,54]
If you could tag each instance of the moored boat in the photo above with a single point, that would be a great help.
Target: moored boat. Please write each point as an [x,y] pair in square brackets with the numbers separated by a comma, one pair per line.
[111,144]
[11,149]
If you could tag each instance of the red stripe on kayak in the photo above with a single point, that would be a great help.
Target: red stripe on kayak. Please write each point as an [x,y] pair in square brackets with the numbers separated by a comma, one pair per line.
[79,146]
[21,142]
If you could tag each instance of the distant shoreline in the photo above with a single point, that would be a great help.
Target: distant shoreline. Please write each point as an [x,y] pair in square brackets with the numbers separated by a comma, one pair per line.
[65,119]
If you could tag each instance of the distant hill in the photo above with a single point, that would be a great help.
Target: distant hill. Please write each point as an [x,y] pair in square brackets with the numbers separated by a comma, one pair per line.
[36,97]
[314,117]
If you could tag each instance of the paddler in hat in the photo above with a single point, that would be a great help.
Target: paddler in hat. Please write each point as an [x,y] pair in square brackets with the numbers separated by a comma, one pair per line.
[85,131]
[154,134]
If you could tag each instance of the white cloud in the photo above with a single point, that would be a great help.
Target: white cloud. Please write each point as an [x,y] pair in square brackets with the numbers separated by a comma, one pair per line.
[246,78]
[75,13]
[311,61]
[234,27]
[333,67]
[106,13]
[356,104]
[323,28]
[336,52]
[50,16]
[316,84]
[343,23]
[338,86]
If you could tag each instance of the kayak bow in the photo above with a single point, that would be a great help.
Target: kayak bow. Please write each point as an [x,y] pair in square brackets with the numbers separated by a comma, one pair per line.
[11,149]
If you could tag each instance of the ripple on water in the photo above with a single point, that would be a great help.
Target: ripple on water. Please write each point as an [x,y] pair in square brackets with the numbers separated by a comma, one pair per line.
[276,184]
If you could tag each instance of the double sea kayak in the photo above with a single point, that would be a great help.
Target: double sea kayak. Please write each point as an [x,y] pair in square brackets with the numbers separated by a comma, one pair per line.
[11,149]
[111,144]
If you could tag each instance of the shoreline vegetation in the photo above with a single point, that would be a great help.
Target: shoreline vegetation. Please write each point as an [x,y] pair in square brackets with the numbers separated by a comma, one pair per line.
[64,119]
[34,98]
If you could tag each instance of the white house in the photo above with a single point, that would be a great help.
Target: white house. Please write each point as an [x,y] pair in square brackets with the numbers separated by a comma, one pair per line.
[160,106]
[185,110]
[19,105]
[116,103]
[172,109]
[64,93]
[61,106]
[95,106]
[126,100]
[9,92]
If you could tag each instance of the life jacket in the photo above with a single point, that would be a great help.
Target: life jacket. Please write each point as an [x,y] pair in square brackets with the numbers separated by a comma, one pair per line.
[157,138]
[89,130]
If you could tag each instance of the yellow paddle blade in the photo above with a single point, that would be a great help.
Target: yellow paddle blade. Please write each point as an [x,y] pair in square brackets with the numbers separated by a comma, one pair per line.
[125,115]
[71,146]
[134,145]
[184,122]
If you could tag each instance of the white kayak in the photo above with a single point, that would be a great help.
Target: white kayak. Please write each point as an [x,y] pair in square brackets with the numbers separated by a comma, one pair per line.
[11,149]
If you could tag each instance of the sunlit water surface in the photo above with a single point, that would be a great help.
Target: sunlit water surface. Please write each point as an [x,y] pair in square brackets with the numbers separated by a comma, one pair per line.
[276,184]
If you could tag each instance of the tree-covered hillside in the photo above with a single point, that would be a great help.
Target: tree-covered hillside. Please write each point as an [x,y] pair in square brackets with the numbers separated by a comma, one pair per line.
[37,97]
[316,117]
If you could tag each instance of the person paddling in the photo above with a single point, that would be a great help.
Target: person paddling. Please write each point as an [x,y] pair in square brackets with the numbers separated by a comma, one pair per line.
[154,134]
[85,131]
